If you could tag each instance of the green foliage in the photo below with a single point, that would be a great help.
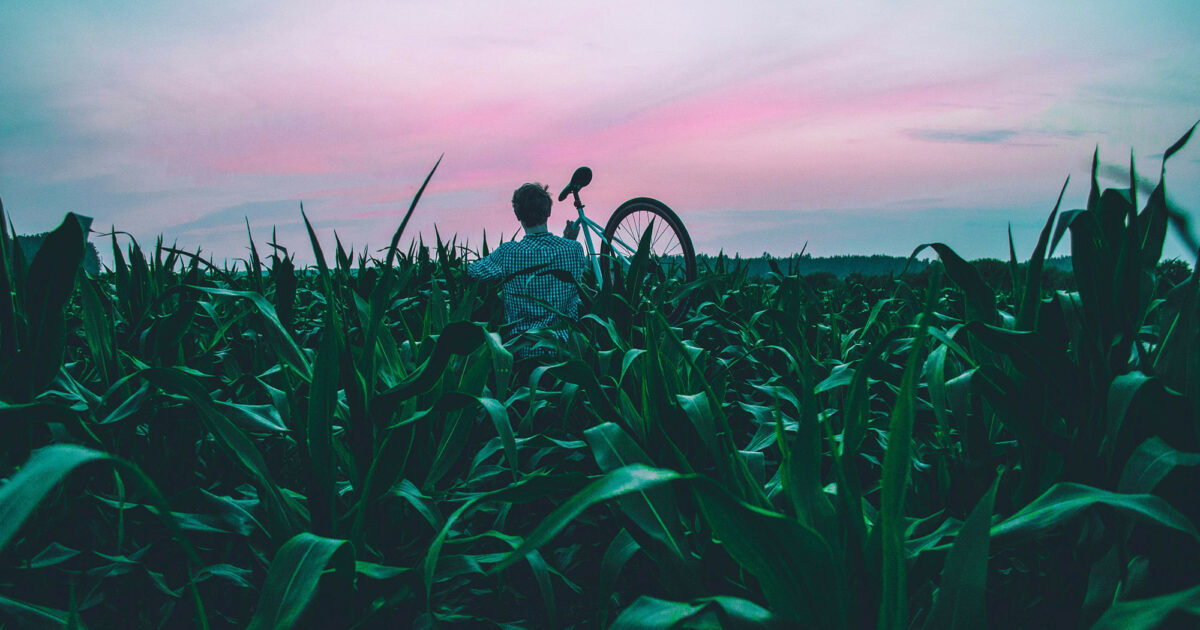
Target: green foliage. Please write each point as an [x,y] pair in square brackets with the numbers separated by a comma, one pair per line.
[353,445]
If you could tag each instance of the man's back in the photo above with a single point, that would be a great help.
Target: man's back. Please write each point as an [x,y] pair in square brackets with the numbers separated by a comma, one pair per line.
[534,299]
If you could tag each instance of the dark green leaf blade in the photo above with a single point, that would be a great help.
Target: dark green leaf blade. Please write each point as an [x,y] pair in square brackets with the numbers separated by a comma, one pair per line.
[1066,501]
[962,593]
[1147,614]
[26,489]
[294,576]
[1150,463]
[615,484]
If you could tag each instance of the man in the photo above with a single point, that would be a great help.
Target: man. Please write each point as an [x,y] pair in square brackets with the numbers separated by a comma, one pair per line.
[539,271]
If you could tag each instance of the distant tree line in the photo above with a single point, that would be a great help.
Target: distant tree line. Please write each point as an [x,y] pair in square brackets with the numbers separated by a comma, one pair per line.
[829,270]
[840,266]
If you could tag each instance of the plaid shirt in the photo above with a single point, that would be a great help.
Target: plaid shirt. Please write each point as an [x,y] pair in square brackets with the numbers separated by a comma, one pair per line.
[535,249]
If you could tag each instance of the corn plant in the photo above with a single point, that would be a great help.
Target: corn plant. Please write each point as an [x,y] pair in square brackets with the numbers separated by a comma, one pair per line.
[352,444]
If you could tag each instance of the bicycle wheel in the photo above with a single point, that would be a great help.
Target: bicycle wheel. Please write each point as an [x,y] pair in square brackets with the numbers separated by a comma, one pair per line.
[672,257]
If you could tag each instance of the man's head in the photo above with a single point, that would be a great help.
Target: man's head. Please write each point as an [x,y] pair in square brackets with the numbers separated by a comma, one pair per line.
[531,204]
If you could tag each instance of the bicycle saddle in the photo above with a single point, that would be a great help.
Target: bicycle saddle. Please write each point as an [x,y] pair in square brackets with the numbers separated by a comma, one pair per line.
[581,178]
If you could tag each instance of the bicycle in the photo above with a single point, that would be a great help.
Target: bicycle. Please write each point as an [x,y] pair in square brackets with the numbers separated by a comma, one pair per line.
[670,256]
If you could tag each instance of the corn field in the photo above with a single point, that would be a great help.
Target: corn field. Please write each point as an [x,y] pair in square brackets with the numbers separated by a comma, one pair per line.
[354,446]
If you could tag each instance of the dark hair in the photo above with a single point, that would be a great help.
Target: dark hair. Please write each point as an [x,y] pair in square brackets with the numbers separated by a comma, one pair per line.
[531,203]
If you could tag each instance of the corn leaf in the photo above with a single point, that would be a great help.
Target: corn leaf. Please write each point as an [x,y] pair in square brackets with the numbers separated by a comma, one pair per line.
[299,566]
[962,593]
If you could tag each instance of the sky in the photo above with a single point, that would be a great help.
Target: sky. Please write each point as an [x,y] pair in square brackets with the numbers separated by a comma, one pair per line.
[856,127]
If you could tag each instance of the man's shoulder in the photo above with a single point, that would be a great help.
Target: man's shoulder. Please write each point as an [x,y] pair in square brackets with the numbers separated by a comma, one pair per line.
[564,243]
[504,247]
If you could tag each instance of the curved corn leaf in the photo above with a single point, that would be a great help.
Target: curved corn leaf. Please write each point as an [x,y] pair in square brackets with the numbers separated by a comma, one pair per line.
[457,338]
[1027,312]
[289,352]
[1150,463]
[254,418]
[893,612]
[49,466]
[32,615]
[960,603]
[793,564]
[318,429]
[295,573]
[980,299]
[618,553]
[653,510]
[47,288]
[620,482]
[1064,502]
[531,488]
[1139,407]
[1179,144]
[10,277]
[1147,614]
[285,515]
[392,248]
[722,611]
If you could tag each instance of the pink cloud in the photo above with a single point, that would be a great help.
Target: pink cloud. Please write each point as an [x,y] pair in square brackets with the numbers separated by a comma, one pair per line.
[760,108]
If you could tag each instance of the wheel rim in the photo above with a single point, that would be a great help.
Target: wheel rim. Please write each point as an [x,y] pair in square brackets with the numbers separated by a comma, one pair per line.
[666,249]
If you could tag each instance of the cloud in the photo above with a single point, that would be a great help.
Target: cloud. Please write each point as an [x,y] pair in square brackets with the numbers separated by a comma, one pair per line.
[982,136]
[166,119]
[261,213]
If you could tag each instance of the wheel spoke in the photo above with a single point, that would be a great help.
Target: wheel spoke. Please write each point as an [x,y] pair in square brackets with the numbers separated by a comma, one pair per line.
[667,231]
[667,259]
[631,236]
[654,240]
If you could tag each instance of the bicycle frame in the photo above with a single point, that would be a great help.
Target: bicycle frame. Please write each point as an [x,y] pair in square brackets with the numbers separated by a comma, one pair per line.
[587,226]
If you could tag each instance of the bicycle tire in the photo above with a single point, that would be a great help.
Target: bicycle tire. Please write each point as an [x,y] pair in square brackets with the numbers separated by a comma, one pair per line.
[627,223]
